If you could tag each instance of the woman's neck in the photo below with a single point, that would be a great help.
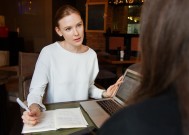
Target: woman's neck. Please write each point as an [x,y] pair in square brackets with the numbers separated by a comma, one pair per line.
[74,49]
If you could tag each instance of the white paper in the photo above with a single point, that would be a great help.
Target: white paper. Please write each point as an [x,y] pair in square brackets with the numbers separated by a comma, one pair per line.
[59,118]
[70,118]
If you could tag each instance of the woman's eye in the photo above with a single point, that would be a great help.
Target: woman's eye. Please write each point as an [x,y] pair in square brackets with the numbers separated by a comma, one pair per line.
[79,25]
[68,29]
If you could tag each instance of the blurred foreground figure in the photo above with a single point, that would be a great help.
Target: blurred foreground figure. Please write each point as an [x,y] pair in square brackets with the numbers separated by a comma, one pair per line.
[161,105]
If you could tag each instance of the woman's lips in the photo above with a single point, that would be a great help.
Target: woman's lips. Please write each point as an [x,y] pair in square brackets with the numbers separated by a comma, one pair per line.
[77,40]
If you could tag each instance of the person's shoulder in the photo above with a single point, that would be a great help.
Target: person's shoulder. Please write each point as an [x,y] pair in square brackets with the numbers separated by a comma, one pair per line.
[50,46]
[91,51]
[49,49]
[117,123]
[159,110]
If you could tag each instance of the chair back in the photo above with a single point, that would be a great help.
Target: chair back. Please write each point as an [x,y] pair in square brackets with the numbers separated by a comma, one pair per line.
[4,58]
[27,63]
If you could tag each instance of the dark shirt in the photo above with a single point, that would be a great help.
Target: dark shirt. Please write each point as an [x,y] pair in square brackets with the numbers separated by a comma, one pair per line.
[155,116]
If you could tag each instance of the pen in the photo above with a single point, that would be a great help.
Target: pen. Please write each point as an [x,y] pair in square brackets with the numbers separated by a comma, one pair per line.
[22,104]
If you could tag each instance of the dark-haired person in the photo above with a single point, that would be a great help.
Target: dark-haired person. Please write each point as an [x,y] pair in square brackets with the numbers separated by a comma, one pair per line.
[161,105]
[68,67]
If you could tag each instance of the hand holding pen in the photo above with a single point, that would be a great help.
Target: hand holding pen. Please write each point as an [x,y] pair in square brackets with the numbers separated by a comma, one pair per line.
[32,114]
[22,105]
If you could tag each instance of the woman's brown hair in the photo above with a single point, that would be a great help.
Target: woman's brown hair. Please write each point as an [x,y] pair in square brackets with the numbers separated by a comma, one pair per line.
[64,11]
[164,41]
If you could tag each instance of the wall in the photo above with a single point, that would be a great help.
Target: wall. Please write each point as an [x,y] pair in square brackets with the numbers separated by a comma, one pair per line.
[35,27]
[120,18]
[116,21]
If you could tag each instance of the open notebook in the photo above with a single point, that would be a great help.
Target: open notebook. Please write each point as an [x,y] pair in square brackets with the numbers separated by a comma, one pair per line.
[101,110]
[56,119]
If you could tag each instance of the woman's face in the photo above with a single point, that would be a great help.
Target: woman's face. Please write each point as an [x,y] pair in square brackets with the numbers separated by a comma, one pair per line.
[72,29]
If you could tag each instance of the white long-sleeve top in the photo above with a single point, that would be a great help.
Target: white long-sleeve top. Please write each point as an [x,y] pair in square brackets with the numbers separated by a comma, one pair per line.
[69,76]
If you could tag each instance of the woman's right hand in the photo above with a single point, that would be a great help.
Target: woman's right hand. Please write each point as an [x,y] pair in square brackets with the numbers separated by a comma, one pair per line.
[32,117]
[110,92]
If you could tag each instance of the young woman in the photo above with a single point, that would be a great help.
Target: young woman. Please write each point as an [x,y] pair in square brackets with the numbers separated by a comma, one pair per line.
[161,105]
[68,67]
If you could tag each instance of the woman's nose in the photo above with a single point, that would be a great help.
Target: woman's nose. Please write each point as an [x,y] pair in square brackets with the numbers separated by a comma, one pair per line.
[75,32]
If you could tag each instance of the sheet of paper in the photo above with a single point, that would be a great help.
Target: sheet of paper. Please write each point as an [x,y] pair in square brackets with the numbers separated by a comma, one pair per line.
[47,122]
[70,118]
[59,118]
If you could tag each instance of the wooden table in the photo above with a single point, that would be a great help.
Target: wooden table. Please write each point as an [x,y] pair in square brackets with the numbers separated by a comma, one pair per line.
[119,63]
[4,77]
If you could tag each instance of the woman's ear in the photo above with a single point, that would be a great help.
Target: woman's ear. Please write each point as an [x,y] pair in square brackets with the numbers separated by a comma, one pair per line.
[58,31]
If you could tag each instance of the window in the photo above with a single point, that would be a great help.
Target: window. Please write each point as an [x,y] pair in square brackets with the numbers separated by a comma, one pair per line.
[96,17]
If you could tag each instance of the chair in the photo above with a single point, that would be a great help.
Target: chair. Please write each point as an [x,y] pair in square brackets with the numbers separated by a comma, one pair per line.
[4,58]
[11,85]
[27,63]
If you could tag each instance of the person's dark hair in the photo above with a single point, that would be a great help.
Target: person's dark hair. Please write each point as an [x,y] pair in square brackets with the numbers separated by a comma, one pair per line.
[164,41]
[64,11]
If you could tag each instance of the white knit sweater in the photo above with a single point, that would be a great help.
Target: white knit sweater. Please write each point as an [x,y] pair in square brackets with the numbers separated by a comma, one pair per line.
[69,76]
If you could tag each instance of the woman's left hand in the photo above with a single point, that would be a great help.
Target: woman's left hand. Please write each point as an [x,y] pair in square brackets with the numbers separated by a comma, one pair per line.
[110,92]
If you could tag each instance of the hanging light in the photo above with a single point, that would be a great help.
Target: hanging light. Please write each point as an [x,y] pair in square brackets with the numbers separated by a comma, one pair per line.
[116,2]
